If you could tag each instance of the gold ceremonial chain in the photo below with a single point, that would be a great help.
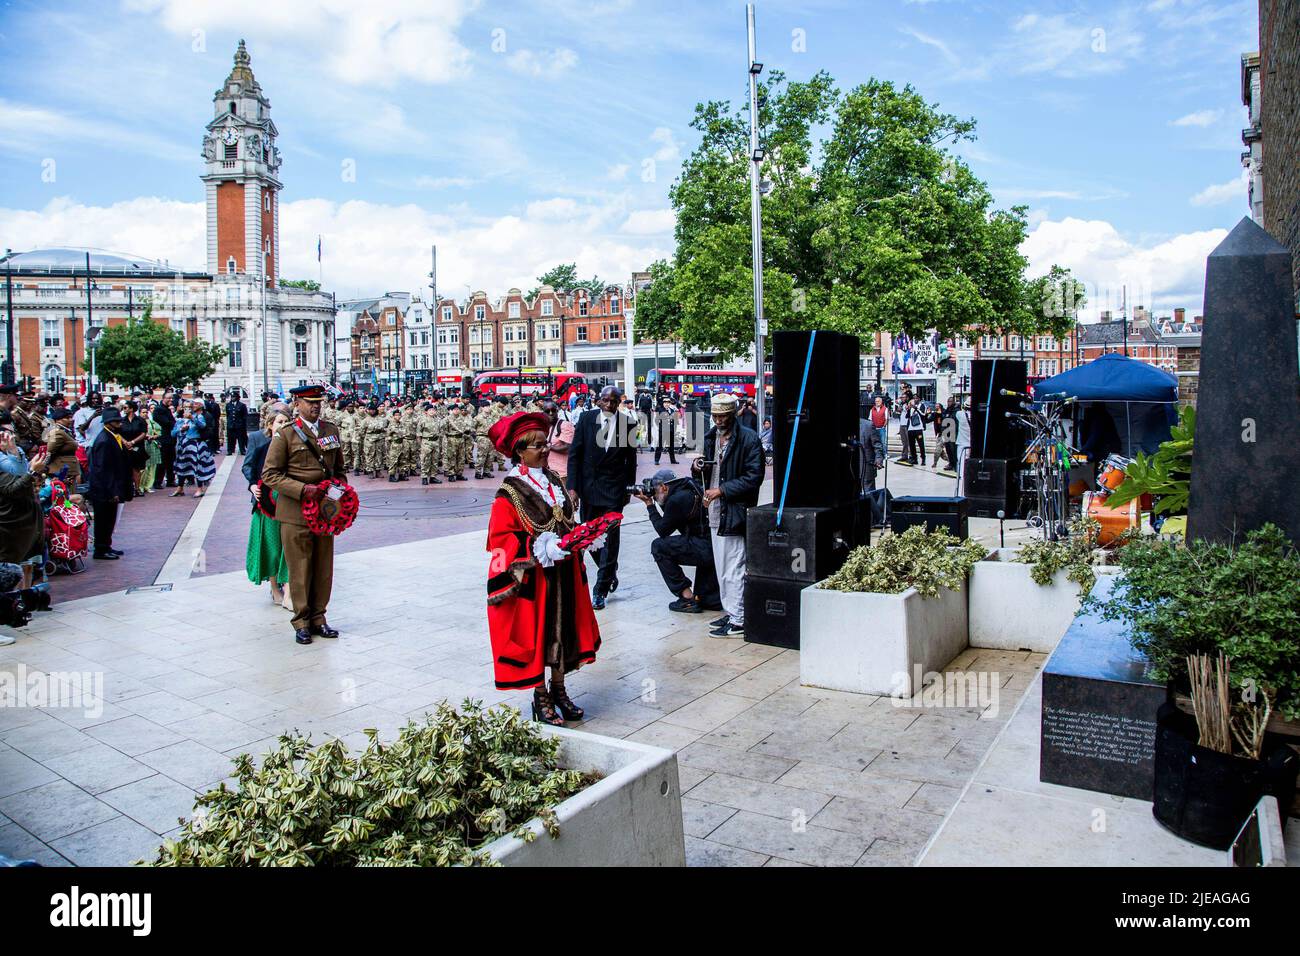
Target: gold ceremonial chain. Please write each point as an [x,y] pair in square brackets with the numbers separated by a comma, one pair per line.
[558,519]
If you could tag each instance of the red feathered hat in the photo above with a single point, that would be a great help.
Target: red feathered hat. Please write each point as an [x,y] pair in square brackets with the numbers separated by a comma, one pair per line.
[506,432]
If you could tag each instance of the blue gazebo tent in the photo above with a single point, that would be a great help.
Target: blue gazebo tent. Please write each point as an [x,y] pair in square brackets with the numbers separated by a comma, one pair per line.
[1125,403]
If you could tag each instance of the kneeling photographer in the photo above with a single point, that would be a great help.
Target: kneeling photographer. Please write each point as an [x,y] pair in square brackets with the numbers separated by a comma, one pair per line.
[683,529]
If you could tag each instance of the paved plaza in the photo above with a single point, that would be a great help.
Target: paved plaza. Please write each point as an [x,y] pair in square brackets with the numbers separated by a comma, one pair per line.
[772,773]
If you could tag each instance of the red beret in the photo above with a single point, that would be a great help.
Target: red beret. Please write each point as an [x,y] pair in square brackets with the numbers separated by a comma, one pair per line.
[506,432]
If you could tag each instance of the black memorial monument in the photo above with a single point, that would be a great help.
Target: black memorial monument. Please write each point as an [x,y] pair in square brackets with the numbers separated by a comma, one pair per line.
[1248,402]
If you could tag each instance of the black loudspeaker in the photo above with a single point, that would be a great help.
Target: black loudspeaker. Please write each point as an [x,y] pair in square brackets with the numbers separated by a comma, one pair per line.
[823,469]
[991,486]
[993,435]
[950,514]
[772,611]
[808,545]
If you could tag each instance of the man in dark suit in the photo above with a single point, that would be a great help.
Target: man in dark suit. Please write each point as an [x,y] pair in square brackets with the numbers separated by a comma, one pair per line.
[236,424]
[602,464]
[162,414]
[110,482]
[212,412]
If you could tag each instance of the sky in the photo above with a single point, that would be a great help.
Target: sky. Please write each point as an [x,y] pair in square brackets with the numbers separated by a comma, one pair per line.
[519,135]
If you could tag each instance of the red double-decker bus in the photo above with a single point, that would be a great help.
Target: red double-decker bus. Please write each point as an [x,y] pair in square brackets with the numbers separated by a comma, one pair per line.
[529,382]
[701,381]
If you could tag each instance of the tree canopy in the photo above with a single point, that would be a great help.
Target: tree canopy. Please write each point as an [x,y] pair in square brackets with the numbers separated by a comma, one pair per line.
[564,278]
[875,226]
[146,355]
[309,285]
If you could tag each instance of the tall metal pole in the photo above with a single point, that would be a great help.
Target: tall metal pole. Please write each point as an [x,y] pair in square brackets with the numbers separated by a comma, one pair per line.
[756,221]
[435,312]
[9,371]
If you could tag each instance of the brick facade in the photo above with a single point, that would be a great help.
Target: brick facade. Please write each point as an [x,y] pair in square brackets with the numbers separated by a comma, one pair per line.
[230,226]
[1279,70]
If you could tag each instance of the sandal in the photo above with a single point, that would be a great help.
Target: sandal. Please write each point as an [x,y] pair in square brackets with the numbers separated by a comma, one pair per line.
[567,707]
[544,709]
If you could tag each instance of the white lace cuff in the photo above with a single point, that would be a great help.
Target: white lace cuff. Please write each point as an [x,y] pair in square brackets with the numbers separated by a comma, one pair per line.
[547,550]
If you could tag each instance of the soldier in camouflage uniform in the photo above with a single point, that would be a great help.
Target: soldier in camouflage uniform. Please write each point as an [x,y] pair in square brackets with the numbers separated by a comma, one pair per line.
[396,446]
[487,417]
[374,428]
[346,420]
[455,443]
[428,433]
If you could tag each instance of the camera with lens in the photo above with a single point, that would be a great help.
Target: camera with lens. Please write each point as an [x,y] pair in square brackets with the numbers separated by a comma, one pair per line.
[17,607]
[642,487]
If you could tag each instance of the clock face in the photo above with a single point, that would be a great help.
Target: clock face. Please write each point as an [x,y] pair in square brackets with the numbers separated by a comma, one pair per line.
[229,136]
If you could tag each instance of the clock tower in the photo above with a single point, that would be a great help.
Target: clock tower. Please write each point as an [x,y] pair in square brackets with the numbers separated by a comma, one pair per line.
[241,167]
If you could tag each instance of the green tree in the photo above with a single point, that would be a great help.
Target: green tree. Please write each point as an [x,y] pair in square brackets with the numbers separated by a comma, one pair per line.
[564,278]
[311,285]
[876,226]
[148,355]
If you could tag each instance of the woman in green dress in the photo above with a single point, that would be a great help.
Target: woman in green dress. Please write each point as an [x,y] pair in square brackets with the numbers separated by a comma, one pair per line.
[153,453]
[265,560]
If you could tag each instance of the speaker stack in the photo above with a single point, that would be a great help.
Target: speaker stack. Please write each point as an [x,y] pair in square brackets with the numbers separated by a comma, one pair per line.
[817,470]
[943,513]
[991,470]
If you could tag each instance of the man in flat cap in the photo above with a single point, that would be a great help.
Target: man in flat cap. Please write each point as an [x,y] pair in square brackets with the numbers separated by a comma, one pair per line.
[303,455]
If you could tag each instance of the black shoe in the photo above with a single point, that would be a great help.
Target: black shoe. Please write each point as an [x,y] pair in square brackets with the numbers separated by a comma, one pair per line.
[567,708]
[401,476]
[435,481]
[116,552]
[324,630]
[598,602]
[392,477]
[613,584]
[728,630]
[713,606]
[722,621]
[356,472]
[685,606]
[110,556]
[425,481]
[302,635]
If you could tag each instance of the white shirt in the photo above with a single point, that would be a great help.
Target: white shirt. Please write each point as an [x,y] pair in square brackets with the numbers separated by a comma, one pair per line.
[92,430]
[312,427]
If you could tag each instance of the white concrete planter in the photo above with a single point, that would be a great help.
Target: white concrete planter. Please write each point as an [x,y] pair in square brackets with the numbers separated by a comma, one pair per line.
[632,816]
[1009,612]
[869,643]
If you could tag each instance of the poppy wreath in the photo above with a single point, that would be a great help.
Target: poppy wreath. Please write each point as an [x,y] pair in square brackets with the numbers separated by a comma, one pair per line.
[330,516]
[587,532]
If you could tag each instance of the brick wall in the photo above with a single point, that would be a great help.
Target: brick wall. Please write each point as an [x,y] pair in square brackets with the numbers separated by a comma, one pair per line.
[230,225]
[1279,70]
[1189,372]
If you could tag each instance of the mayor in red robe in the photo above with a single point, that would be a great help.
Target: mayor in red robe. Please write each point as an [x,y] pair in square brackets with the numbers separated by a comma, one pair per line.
[539,605]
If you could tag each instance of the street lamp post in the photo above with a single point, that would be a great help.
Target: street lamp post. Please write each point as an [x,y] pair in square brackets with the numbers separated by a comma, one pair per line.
[756,220]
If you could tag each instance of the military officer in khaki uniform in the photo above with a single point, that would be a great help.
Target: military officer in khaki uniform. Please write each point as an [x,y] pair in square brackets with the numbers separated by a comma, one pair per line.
[456,440]
[302,455]
[483,421]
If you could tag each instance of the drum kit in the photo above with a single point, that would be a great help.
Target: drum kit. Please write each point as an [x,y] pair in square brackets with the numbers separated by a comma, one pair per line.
[1114,520]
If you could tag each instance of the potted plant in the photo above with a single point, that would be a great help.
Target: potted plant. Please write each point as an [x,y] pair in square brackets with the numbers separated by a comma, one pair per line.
[1023,599]
[1213,766]
[464,787]
[1242,601]
[891,614]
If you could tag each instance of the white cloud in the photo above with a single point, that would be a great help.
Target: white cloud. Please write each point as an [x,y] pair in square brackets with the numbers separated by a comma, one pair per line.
[668,151]
[1200,118]
[443,182]
[1168,272]
[36,131]
[650,222]
[368,247]
[377,43]
[617,172]
[935,42]
[547,63]
[1234,189]
[1070,47]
